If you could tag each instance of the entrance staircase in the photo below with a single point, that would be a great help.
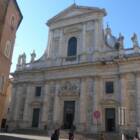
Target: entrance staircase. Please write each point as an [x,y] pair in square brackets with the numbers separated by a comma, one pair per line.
[78,136]
[64,134]
[31,131]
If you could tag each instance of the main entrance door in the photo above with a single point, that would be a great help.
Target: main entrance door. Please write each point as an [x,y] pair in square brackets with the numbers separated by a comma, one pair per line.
[69,109]
[110,119]
[35,120]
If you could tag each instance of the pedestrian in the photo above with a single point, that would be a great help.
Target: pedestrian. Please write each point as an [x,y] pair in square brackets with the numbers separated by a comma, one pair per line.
[55,135]
[6,128]
[102,136]
[136,137]
[71,135]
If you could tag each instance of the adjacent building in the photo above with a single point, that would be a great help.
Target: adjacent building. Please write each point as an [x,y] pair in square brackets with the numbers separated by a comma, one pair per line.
[10,19]
[86,78]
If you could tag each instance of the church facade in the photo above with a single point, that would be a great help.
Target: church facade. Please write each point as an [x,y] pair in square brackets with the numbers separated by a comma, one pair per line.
[86,78]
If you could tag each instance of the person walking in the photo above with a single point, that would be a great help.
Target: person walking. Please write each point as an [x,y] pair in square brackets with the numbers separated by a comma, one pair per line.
[102,136]
[71,135]
[55,135]
[136,137]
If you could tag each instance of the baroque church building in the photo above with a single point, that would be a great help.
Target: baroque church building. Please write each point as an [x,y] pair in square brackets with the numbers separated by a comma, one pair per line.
[86,78]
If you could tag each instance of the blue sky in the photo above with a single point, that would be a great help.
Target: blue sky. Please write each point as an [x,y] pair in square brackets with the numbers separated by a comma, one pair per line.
[123,16]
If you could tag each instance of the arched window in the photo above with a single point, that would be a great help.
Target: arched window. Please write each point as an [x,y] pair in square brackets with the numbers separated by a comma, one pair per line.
[7,50]
[12,22]
[72,46]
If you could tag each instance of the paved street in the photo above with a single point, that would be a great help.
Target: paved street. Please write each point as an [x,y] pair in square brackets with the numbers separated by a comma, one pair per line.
[8,136]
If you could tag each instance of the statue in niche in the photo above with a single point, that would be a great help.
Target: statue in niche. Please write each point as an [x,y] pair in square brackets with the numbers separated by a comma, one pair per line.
[134,39]
[33,56]
[109,38]
[121,41]
[22,59]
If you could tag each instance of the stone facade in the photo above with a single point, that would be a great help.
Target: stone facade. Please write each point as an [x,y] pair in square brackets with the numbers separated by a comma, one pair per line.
[10,18]
[60,90]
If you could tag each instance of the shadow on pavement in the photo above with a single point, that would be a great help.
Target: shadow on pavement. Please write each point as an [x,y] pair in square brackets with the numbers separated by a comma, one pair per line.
[12,138]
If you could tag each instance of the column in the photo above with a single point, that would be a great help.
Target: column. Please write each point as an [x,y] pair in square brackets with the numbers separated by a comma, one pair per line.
[61,44]
[123,91]
[138,99]
[100,34]
[83,104]
[96,35]
[84,38]
[123,88]
[124,100]
[56,113]
[96,92]
[49,48]
[17,102]
[89,104]
[27,109]
[44,117]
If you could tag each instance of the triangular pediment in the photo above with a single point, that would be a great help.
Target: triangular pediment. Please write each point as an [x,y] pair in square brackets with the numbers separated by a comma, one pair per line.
[74,11]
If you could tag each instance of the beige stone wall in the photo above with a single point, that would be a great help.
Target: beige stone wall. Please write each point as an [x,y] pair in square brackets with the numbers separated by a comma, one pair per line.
[82,80]
[7,34]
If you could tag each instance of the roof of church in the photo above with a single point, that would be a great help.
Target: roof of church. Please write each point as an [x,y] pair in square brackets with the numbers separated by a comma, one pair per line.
[74,6]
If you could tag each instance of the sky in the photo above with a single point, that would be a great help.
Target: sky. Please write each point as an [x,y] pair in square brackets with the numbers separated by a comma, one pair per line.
[122,16]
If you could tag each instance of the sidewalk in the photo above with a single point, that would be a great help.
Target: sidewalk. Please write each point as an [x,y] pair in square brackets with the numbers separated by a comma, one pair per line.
[9,136]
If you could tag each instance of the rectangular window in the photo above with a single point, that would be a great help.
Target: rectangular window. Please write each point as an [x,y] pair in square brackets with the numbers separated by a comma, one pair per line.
[122,115]
[109,87]
[38,91]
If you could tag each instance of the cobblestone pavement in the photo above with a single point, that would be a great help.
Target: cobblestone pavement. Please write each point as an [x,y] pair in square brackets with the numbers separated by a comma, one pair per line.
[8,136]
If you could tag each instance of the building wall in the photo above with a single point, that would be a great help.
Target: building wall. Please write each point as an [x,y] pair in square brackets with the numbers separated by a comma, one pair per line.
[81,80]
[88,93]
[10,20]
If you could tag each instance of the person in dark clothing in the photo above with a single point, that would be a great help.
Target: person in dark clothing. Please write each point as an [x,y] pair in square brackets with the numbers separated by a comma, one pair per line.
[55,135]
[102,136]
[136,137]
[6,128]
[71,135]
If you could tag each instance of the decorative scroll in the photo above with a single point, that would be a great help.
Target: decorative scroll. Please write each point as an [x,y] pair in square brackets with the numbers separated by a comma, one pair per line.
[69,88]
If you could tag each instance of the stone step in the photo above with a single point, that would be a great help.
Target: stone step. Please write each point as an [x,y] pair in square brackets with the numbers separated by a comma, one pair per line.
[64,134]
[112,136]
[31,131]
[77,136]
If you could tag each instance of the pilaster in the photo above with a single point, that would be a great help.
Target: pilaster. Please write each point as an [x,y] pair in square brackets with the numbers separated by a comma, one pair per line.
[61,44]
[49,50]
[83,102]
[123,90]
[96,94]
[27,108]
[128,99]
[96,36]
[17,100]
[56,113]
[44,117]
[84,37]
[138,99]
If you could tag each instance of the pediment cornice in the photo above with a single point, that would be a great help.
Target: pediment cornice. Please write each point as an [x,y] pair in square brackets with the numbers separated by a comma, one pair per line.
[75,10]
